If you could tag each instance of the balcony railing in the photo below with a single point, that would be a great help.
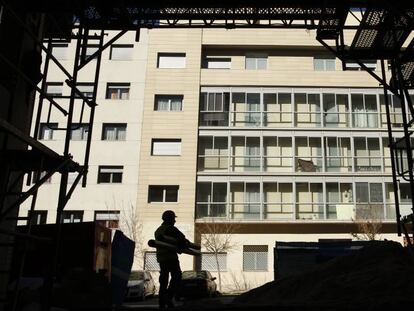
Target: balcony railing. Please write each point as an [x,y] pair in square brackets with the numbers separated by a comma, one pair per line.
[340,211]
[277,164]
[245,210]
[309,211]
[213,163]
[338,164]
[336,119]
[217,210]
[209,118]
[367,164]
[245,163]
[301,119]
[278,211]
[277,119]
[308,119]
[365,119]
[258,163]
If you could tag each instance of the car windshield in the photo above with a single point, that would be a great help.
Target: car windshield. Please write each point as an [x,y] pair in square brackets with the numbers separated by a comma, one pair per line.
[137,275]
[194,274]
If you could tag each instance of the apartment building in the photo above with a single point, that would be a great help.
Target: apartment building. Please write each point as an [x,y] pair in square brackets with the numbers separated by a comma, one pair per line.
[261,133]
[257,131]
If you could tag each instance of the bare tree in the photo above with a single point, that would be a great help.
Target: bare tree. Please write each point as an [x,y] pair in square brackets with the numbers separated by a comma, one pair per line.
[132,227]
[368,223]
[216,238]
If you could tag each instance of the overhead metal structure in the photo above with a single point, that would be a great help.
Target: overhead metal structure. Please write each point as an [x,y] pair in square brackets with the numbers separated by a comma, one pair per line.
[383,33]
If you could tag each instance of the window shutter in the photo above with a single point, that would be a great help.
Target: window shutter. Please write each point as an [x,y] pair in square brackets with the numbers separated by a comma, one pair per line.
[165,147]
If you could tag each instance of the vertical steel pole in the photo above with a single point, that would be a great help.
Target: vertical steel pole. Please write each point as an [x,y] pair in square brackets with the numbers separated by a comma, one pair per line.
[81,37]
[92,113]
[390,142]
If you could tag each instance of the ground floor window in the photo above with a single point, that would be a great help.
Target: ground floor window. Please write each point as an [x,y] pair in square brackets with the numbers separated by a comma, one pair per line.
[211,263]
[150,261]
[255,257]
[38,217]
[72,216]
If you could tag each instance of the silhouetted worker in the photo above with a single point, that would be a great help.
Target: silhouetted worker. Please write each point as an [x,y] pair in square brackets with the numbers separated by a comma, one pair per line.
[168,259]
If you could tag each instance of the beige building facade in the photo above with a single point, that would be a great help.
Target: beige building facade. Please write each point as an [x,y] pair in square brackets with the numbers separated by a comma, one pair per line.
[288,147]
[256,131]
[111,192]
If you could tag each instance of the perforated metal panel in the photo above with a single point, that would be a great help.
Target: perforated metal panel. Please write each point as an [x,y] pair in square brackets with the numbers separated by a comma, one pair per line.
[255,257]
[150,262]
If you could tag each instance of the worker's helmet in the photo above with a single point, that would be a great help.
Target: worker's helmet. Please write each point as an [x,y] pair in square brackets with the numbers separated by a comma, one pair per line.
[168,215]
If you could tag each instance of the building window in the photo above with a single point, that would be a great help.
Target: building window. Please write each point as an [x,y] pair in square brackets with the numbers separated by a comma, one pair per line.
[79,131]
[209,262]
[323,63]
[168,102]
[214,109]
[367,154]
[215,62]
[72,216]
[121,52]
[213,152]
[255,257]
[54,89]
[369,200]
[364,110]
[60,50]
[168,147]
[110,174]
[109,219]
[171,60]
[46,130]
[150,261]
[114,131]
[256,62]
[117,91]
[86,89]
[162,194]
[370,64]
[38,217]
[405,193]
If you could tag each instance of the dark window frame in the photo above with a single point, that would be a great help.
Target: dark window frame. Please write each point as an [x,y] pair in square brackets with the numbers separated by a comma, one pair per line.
[104,179]
[164,189]
[34,215]
[118,86]
[127,46]
[72,214]
[115,125]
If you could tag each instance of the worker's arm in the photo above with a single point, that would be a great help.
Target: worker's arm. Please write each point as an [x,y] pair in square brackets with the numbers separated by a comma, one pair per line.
[173,232]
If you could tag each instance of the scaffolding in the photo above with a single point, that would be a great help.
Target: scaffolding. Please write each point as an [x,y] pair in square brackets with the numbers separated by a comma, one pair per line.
[380,34]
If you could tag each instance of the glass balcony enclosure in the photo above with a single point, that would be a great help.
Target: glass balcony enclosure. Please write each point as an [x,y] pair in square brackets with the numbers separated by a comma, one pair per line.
[301,108]
[307,201]
[284,154]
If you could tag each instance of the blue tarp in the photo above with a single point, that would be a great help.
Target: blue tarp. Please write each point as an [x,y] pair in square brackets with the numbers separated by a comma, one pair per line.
[122,260]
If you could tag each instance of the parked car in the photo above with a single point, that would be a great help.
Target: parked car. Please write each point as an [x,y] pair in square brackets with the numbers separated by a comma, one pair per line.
[140,285]
[197,284]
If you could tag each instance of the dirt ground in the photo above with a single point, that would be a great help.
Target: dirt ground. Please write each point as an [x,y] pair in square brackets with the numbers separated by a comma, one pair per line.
[379,276]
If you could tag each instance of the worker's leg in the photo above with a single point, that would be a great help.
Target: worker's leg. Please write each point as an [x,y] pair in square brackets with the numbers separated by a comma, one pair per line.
[175,279]
[163,292]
